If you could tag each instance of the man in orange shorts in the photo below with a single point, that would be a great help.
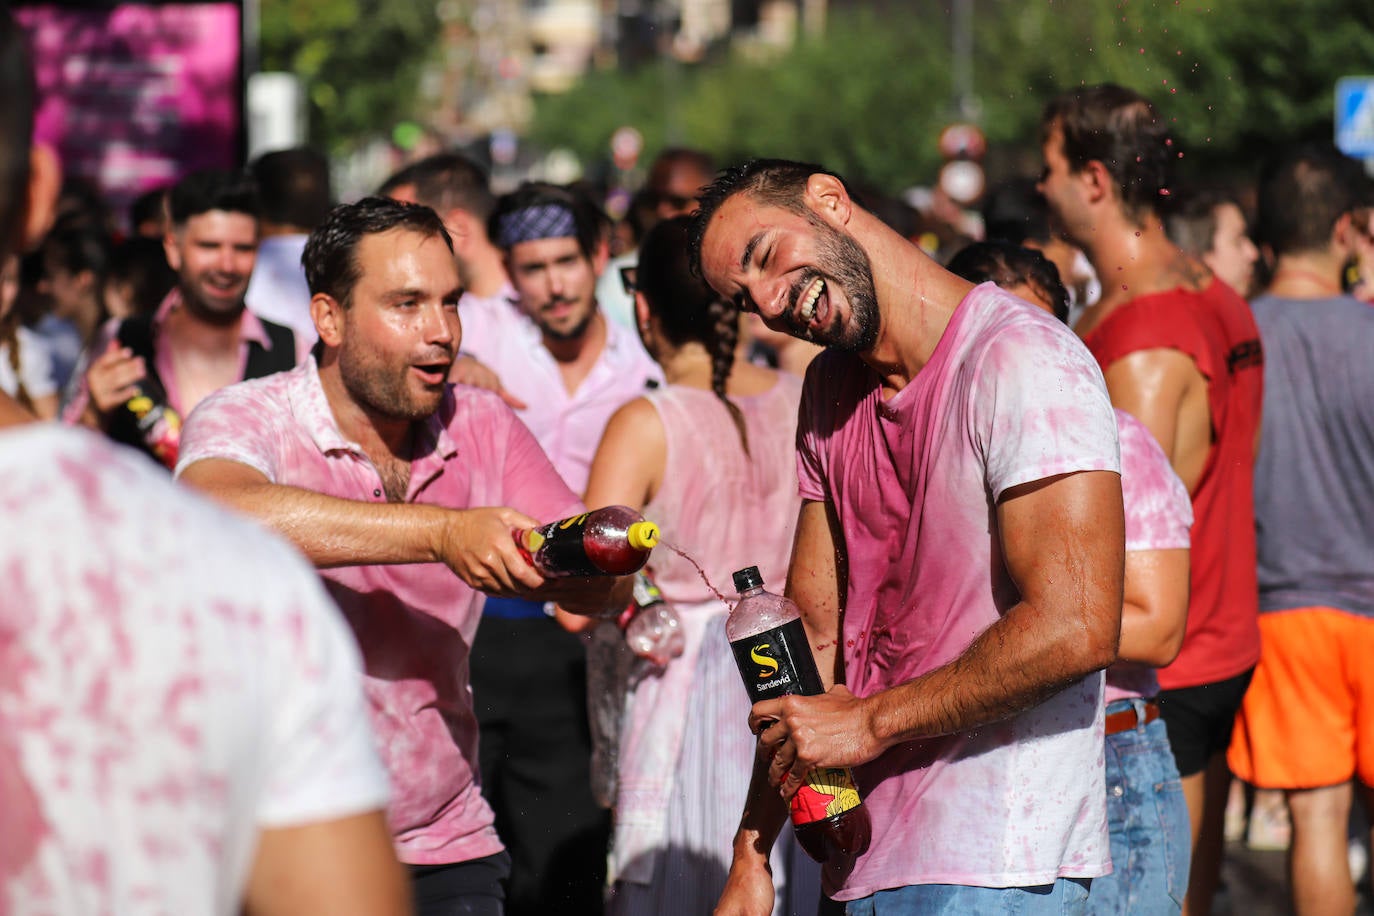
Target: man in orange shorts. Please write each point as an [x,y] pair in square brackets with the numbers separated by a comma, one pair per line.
[1307,722]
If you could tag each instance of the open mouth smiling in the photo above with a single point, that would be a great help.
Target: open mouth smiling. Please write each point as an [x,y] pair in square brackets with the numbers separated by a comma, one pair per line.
[808,301]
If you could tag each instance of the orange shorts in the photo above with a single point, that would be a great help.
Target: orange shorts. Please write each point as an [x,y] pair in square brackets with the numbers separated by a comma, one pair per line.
[1308,718]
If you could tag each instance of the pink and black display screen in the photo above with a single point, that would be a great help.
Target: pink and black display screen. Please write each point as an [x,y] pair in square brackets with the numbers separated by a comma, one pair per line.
[135,95]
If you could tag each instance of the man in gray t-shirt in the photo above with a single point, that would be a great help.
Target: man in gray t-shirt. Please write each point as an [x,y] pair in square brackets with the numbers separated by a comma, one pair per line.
[1307,723]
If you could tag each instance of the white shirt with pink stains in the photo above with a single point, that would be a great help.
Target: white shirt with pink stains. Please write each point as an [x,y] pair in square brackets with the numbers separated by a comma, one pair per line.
[1159,515]
[568,426]
[1009,396]
[415,622]
[173,680]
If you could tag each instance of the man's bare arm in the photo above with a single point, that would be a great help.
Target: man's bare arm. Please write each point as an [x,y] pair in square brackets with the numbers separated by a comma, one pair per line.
[816,582]
[1163,389]
[342,867]
[1063,545]
[813,581]
[1155,610]
[475,543]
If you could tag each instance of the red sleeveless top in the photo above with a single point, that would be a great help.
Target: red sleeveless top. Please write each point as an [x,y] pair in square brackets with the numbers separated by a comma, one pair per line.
[1215,329]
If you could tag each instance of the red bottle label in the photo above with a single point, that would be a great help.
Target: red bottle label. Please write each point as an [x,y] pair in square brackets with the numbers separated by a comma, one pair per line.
[828,791]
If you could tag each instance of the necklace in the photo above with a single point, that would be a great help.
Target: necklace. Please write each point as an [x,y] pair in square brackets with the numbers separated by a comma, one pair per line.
[1311,276]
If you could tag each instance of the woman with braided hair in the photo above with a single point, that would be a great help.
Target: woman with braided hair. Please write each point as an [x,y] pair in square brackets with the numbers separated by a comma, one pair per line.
[710,458]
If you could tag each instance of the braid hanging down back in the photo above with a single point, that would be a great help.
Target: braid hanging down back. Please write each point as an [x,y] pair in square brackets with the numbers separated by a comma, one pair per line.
[686,308]
[724,319]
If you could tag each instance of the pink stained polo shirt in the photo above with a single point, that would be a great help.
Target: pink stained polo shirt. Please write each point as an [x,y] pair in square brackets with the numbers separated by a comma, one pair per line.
[1158,516]
[414,622]
[568,426]
[1009,396]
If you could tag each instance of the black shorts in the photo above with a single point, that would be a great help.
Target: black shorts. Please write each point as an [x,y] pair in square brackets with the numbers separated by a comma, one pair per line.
[474,888]
[1199,720]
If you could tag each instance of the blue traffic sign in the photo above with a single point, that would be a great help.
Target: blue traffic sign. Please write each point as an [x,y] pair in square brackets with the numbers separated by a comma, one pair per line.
[1355,116]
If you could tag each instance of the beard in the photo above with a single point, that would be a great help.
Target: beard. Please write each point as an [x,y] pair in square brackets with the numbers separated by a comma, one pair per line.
[384,390]
[221,311]
[572,332]
[843,264]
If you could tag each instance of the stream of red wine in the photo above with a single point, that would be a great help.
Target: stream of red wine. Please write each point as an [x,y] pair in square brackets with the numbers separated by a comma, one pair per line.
[700,572]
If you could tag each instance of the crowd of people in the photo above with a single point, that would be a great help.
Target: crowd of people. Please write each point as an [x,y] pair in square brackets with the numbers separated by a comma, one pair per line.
[1076,515]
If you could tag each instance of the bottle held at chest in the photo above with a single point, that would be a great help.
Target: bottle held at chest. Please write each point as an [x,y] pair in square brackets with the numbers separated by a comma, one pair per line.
[774,658]
[159,426]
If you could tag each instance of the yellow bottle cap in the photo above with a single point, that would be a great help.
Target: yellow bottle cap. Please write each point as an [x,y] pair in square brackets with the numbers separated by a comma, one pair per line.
[643,535]
[140,404]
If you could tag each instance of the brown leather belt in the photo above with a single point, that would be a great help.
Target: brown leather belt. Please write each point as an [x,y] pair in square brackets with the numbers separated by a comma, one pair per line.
[1126,718]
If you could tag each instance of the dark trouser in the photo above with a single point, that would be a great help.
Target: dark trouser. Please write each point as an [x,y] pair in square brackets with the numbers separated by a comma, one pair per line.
[462,889]
[529,683]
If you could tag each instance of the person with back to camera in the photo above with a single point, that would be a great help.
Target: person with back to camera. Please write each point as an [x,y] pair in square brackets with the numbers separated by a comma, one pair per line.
[709,458]
[182,728]
[1307,724]
[1147,817]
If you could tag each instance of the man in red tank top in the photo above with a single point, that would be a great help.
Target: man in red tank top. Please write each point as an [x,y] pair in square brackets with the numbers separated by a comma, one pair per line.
[1180,351]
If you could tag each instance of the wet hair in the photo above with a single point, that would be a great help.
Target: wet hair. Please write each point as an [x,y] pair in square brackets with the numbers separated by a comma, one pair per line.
[293,185]
[774,182]
[1007,265]
[587,216]
[330,258]
[1303,192]
[686,308]
[447,180]
[1122,130]
[212,189]
[142,264]
[16,131]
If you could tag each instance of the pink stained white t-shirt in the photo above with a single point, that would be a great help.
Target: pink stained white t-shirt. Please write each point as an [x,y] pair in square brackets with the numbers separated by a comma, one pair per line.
[568,426]
[1158,516]
[1009,396]
[414,622]
[173,680]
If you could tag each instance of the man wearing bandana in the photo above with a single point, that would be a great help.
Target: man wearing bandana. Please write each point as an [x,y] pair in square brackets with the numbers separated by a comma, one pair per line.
[555,352]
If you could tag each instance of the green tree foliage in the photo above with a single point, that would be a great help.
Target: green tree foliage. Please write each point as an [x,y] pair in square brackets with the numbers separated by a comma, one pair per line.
[359,60]
[869,98]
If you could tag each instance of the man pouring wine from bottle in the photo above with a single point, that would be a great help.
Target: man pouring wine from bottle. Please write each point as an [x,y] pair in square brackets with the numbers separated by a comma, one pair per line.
[957,562]
[381,472]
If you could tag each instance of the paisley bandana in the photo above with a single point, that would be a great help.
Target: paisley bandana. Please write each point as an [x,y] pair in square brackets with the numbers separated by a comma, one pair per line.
[543,221]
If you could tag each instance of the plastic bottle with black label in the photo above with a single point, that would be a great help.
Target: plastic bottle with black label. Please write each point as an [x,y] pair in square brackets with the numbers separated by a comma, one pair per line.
[774,658]
[654,631]
[614,541]
[159,426]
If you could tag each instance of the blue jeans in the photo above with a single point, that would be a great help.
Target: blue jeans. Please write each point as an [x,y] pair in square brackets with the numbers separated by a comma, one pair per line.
[1065,897]
[1148,821]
